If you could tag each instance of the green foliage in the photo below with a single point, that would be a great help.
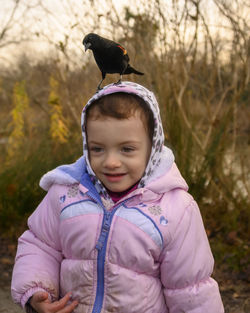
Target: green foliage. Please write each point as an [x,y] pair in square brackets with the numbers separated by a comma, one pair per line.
[20,103]
[232,255]
[19,183]
[58,128]
[36,148]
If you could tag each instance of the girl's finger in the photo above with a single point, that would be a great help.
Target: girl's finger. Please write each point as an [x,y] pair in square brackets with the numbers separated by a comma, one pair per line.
[69,308]
[60,304]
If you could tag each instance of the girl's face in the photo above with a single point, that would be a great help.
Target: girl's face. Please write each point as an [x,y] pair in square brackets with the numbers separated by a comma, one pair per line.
[118,150]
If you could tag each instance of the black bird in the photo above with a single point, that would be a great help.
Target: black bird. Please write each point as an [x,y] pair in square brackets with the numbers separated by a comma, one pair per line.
[110,56]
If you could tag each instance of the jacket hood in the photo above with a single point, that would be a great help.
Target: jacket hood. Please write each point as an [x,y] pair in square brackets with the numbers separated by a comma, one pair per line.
[161,173]
[161,157]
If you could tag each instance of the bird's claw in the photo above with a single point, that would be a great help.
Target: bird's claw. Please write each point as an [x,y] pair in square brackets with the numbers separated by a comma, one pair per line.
[98,89]
[118,82]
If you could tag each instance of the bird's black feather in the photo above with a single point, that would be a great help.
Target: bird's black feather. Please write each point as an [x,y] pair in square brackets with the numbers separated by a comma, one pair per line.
[111,57]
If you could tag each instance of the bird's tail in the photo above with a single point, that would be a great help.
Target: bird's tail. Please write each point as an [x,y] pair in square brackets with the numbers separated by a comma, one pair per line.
[130,70]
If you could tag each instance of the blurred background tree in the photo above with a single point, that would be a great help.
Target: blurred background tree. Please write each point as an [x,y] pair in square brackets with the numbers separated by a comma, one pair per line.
[196,58]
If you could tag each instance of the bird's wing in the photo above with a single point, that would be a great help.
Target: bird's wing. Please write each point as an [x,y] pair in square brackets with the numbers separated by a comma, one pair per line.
[115,50]
[124,52]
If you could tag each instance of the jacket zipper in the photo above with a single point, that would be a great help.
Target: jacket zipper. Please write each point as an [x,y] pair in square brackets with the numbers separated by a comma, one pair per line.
[101,247]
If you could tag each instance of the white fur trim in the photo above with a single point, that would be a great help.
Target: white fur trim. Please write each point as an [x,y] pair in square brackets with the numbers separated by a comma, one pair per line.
[56,176]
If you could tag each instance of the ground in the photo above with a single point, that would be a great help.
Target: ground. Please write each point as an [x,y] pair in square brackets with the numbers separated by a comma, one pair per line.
[235,292]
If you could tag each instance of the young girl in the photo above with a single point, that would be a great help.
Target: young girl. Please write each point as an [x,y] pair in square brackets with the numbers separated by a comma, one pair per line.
[117,231]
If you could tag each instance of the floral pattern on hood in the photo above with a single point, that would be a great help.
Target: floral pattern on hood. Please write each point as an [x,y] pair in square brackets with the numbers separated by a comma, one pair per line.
[161,157]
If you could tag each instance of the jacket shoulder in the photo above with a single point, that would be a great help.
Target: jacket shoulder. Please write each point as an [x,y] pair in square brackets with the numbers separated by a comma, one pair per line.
[175,202]
[175,205]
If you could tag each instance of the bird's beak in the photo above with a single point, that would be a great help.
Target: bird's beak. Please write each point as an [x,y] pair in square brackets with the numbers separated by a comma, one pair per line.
[87,46]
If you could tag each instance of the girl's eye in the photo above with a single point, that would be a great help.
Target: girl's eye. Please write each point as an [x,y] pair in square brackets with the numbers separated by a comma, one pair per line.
[96,149]
[128,149]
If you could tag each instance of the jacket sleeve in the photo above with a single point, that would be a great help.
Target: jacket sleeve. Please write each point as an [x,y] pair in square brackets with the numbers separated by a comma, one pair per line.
[39,256]
[186,267]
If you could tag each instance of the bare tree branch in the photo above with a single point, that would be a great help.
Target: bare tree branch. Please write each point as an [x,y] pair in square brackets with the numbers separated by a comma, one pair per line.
[6,27]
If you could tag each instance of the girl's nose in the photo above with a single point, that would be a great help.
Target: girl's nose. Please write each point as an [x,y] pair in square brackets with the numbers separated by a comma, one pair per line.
[112,161]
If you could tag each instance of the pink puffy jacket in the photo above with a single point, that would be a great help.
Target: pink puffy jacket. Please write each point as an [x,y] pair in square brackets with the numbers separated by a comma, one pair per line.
[147,253]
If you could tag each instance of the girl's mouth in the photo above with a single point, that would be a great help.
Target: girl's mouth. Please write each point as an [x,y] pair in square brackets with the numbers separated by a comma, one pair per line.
[114,177]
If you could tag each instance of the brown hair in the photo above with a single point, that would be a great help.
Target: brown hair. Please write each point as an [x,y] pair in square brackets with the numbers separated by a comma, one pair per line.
[122,106]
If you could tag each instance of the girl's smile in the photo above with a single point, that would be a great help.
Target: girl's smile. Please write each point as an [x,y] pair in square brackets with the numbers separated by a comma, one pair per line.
[119,150]
[114,177]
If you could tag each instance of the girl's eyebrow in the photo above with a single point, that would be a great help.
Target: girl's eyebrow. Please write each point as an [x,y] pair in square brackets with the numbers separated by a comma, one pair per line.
[94,142]
[120,143]
[130,142]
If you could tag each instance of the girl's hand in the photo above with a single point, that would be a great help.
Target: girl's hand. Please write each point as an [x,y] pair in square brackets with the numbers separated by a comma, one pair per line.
[41,303]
